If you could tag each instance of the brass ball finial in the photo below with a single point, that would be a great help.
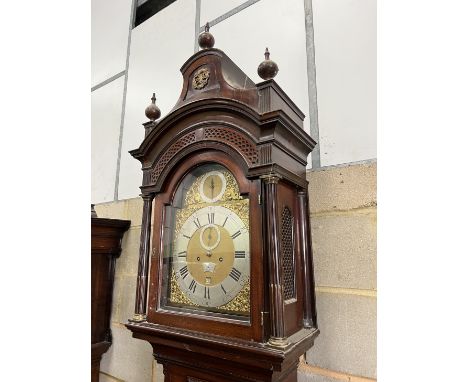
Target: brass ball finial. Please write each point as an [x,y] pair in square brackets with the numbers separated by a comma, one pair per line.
[268,68]
[152,111]
[206,39]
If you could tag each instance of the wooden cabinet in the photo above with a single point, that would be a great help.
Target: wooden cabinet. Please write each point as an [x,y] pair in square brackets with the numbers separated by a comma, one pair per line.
[106,237]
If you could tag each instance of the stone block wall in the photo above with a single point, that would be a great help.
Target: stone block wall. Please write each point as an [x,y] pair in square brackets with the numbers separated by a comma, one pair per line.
[343,223]
[343,215]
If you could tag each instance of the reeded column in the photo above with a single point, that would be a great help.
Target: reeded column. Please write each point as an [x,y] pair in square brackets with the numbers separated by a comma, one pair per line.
[278,337]
[142,280]
[310,318]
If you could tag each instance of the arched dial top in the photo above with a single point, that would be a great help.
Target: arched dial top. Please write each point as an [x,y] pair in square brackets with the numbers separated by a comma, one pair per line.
[209,253]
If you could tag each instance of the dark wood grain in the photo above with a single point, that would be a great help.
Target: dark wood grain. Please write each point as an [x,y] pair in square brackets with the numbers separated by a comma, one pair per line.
[288,198]
[106,236]
[275,263]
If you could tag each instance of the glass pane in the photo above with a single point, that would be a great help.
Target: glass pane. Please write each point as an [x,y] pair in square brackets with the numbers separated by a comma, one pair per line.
[207,245]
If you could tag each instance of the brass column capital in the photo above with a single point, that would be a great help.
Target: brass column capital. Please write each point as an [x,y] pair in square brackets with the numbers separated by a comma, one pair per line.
[138,318]
[271,178]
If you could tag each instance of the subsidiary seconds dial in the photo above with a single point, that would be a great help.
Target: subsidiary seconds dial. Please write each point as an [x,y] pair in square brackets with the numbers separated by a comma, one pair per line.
[211,256]
[212,186]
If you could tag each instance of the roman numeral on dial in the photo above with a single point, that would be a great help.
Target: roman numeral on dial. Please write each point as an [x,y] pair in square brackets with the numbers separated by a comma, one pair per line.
[182,254]
[197,222]
[207,293]
[239,254]
[234,235]
[211,218]
[235,274]
[193,286]
[184,271]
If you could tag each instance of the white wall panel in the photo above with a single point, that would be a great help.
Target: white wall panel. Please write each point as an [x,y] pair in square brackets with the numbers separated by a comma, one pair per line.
[110,21]
[106,106]
[158,49]
[345,58]
[280,26]
[211,9]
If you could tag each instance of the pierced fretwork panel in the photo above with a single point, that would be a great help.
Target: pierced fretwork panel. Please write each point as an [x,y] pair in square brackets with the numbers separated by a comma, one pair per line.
[287,245]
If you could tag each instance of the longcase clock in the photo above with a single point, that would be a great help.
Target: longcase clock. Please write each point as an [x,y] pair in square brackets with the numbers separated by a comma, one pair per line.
[225,288]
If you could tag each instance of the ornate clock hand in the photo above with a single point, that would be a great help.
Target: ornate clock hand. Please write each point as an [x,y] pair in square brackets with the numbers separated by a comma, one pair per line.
[209,235]
[212,185]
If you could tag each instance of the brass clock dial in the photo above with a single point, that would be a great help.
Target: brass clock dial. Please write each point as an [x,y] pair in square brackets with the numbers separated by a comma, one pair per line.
[211,257]
[207,255]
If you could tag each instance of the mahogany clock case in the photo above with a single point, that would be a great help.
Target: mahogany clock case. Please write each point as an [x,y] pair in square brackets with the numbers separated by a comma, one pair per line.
[255,132]
[287,197]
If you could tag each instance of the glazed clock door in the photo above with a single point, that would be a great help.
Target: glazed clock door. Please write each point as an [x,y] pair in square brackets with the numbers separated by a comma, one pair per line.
[206,255]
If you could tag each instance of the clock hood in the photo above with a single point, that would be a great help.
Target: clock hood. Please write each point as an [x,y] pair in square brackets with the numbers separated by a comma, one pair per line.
[221,107]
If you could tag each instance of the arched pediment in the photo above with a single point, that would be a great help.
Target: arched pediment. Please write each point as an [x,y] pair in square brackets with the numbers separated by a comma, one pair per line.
[220,136]
[197,112]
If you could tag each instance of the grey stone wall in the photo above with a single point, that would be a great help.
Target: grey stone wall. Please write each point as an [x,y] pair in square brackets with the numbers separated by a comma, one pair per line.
[343,213]
[343,223]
